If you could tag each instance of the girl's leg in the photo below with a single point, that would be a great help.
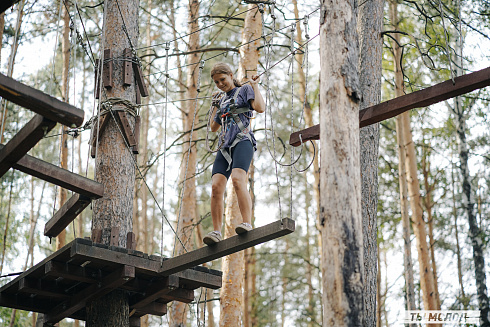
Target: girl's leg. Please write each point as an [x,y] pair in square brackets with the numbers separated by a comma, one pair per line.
[239,179]
[217,192]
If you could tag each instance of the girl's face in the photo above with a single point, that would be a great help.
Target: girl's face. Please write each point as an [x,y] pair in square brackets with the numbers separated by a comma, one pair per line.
[224,82]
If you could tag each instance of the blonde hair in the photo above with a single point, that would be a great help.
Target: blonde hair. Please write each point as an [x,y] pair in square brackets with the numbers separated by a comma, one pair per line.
[222,68]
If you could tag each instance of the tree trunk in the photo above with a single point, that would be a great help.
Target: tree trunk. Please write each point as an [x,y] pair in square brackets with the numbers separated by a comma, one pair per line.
[188,210]
[65,48]
[231,296]
[340,180]
[402,171]
[10,68]
[370,26]
[234,265]
[249,298]
[115,163]
[429,204]
[475,233]
[2,26]
[418,223]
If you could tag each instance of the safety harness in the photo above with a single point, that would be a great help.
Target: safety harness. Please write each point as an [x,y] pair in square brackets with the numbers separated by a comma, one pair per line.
[233,112]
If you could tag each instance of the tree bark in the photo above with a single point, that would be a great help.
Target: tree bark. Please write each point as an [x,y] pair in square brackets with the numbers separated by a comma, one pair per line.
[115,162]
[188,211]
[370,26]
[402,171]
[340,180]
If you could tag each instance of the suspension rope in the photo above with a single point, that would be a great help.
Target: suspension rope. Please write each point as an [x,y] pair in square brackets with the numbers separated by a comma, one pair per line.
[198,85]
[293,29]
[167,48]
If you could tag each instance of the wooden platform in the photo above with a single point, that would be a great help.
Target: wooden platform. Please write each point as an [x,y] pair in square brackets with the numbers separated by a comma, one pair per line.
[61,285]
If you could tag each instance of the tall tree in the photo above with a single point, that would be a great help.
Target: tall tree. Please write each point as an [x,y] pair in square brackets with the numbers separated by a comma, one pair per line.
[233,265]
[115,163]
[418,222]
[370,26]
[402,175]
[188,207]
[340,180]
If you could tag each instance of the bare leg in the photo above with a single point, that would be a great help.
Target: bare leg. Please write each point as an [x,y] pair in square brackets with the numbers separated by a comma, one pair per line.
[217,192]
[239,179]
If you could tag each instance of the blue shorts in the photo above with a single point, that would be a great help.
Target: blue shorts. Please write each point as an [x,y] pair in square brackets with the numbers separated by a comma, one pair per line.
[241,157]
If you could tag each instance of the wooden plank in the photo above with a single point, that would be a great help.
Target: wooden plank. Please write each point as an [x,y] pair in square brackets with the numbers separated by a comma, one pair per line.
[42,288]
[154,308]
[137,125]
[39,102]
[140,81]
[59,176]
[6,4]
[180,294]
[127,67]
[71,272]
[23,141]
[66,214]
[100,127]
[96,79]
[24,302]
[79,301]
[422,98]
[128,132]
[107,78]
[154,291]
[189,278]
[230,245]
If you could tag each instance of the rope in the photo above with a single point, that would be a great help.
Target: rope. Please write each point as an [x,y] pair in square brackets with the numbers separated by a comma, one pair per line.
[293,29]
[198,85]
[167,48]
[221,140]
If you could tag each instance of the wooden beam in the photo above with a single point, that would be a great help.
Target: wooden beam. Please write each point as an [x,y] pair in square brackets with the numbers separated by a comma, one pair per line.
[66,214]
[39,102]
[422,98]
[179,294]
[59,176]
[79,301]
[6,4]
[23,141]
[71,272]
[154,291]
[41,287]
[154,308]
[230,245]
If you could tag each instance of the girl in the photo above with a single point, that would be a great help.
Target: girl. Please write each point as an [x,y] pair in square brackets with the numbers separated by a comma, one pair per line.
[233,113]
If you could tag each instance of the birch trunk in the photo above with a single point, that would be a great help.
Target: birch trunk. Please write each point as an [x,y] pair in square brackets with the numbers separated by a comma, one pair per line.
[115,162]
[475,233]
[340,180]
[234,264]
[188,210]
[402,173]
[370,26]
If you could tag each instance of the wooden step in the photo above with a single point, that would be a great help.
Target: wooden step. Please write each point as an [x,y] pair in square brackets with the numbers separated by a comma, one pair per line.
[40,102]
[6,4]
[66,214]
[23,141]
[228,246]
[59,176]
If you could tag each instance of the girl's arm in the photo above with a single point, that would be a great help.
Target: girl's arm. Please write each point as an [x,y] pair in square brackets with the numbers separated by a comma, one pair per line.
[214,125]
[258,104]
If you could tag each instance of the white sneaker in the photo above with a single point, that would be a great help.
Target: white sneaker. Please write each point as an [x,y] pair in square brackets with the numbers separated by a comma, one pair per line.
[212,238]
[243,228]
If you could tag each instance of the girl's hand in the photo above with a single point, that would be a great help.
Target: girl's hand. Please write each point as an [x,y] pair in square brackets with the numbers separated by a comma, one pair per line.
[254,80]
